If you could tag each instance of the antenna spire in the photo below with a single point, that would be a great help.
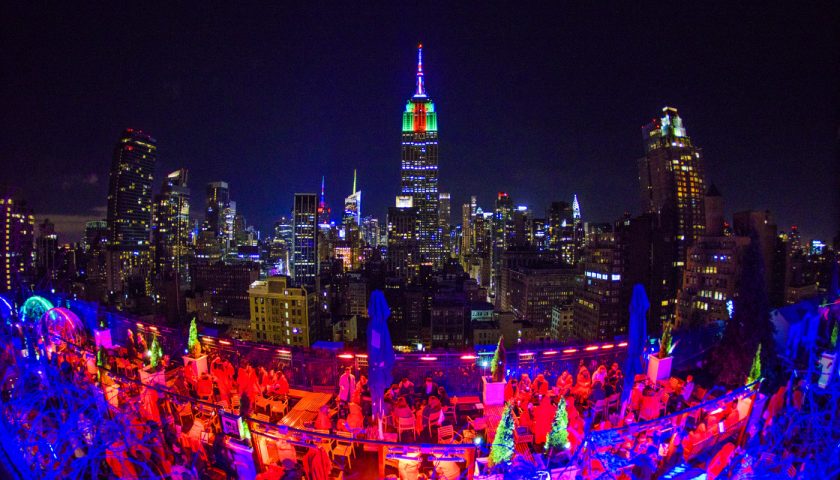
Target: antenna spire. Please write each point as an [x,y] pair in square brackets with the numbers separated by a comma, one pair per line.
[421,91]
[354,180]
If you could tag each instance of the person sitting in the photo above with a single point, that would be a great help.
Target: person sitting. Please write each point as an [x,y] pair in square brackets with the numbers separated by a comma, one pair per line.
[525,383]
[355,420]
[688,388]
[598,392]
[323,421]
[281,386]
[564,383]
[584,380]
[401,410]
[428,388]
[615,373]
[511,390]
[600,375]
[433,412]
[444,397]
[407,389]
[540,385]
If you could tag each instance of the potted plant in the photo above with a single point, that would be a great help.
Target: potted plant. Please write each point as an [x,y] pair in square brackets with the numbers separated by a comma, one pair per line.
[493,387]
[153,373]
[102,336]
[828,360]
[194,359]
[659,365]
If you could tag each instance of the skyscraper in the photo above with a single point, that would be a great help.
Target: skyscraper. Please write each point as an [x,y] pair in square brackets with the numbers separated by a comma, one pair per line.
[17,227]
[502,235]
[171,229]
[323,207]
[671,177]
[130,209]
[218,200]
[45,253]
[419,170]
[353,208]
[305,249]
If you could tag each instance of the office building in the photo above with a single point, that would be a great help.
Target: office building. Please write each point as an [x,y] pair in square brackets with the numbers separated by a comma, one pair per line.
[305,242]
[218,202]
[599,313]
[672,187]
[130,212]
[226,285]
[17,225]
[280,313]
[171,230]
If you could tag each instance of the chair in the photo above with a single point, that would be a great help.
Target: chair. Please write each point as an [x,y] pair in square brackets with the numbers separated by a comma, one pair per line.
[600,408]
[449,413]
[446,434]
[343,448]
[261,404]
[433,422]
[614,402]
[204,389]
[406,424]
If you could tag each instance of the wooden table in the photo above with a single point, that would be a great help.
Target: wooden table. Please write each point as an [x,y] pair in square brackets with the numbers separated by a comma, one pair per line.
[465,403]
[306,409]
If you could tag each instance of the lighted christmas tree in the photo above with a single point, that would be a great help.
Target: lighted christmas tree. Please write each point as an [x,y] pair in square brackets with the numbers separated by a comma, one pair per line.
[665,342]
[497,368]
[558,437]
[755,370]
[155,353]
[193,345]
[834,333]
[503,447]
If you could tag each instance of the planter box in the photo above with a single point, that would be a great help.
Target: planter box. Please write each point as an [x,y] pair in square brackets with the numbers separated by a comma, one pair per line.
[659,368]
[828,361]
[199,364]
[152,378]
[492,393]
[103,338]
[242,459]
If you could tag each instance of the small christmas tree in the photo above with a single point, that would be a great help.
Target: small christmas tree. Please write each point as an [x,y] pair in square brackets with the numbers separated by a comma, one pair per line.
[665,342]
[155,353]
[834,333]
[193,345]
[755,370]
[497,369]
[503,447]
[558,437]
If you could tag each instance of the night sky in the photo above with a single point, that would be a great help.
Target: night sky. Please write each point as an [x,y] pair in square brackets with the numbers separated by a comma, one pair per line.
[539,103]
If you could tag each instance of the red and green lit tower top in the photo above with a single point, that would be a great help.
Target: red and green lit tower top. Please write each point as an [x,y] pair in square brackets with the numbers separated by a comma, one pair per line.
[419,167]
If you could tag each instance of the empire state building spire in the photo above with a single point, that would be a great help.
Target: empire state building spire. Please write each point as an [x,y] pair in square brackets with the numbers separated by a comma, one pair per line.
[421,91]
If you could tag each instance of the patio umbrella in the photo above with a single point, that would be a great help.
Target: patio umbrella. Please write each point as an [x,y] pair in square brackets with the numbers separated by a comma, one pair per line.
[380,350]
[637,339]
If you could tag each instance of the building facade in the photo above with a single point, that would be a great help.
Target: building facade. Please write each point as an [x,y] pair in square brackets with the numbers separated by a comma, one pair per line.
[672,187]
[130,211]
[305,249]
[280,313]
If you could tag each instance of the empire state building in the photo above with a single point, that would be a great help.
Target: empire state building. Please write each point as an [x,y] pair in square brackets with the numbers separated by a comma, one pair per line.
[419,171]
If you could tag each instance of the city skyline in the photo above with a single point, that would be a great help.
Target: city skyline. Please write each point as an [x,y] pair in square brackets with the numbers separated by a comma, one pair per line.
[555,149]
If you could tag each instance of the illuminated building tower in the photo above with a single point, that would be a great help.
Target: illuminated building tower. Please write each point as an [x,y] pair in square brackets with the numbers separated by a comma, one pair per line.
[218,200]
[467,229]
[598,312]
[95,244]
[671,176]
[17,227]
[305,248]
[561,230]
[281,314]
[130,212]
[445,215]
[353,209]
[403,234]
[323,207]
[47,245]
[281,246]
[171,230]
[419,168]
[501,237]
[712,270]
[578,226]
